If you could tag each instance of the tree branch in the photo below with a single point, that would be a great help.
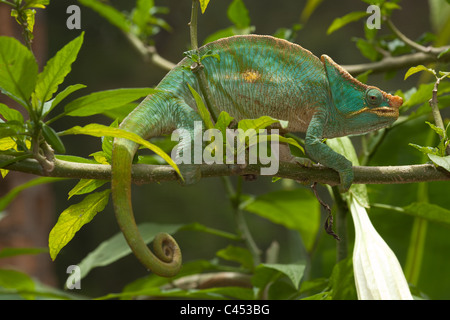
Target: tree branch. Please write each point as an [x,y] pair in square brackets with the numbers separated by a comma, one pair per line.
[149,53]
[142,173]
[393,63]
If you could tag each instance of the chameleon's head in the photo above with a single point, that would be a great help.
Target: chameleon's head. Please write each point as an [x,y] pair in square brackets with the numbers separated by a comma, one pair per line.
[362,108]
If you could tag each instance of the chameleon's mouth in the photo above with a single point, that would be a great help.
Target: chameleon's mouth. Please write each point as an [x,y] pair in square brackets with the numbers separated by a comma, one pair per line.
[385,111]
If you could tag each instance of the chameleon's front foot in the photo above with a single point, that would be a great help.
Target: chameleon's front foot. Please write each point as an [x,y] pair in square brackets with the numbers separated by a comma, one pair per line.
[346,177]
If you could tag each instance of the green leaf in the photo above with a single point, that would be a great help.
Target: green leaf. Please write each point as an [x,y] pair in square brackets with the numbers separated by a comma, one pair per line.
[10,114]
[264,274]
[141,13]
[342,281]
[86,186]
[424,93]
[348,18]
[238,14]
[367,49]
[114,16]
[282,207]
[203,5]
[223,33]
[416,69]
[441,132]
[308,10]
[292,142]
[260,123]
[223,121]
[6,199]
[222,293]
[52,138]
[99,102]
[424,150]
[56,69]
[50,105]
[18,71]
[121,112]
[443,53]
[98,130]
[18,281]
[345,147]
[116,247]
[293,271]
[73,218]
[12,252]
[443,162]
[11,128]
[237,254]
[202,109]
[36,4]
[428,211]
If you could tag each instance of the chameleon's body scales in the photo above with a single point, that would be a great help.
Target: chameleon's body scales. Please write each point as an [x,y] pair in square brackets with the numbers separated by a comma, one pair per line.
[255,76]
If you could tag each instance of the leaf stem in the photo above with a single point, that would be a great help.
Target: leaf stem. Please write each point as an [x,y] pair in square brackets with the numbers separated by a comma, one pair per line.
[193,25]
[235,198]
[341,224]
[434,106]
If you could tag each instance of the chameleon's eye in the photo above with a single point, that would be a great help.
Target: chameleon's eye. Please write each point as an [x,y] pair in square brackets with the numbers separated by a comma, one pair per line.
[373,97]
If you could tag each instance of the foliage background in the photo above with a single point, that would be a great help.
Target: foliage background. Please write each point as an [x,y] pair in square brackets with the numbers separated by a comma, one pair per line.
[108,61]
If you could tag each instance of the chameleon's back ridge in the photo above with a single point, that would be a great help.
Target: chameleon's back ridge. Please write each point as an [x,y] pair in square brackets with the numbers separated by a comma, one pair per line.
[255,76]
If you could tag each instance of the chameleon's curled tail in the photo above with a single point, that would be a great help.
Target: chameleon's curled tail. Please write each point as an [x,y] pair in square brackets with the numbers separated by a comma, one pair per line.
[166,261]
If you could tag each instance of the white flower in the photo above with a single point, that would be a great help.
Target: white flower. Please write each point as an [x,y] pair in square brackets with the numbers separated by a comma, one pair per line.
[378,274]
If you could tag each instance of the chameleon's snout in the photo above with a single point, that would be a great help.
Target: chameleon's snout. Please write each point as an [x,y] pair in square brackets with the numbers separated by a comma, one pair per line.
[394,101]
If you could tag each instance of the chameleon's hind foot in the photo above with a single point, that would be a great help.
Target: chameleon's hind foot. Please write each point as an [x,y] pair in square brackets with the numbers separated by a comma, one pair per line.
[305,162]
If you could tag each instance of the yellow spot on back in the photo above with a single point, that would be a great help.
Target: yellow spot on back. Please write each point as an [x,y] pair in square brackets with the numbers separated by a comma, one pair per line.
[251,76]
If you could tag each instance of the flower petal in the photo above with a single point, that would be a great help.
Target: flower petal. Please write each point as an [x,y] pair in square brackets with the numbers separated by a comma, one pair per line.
[378,274]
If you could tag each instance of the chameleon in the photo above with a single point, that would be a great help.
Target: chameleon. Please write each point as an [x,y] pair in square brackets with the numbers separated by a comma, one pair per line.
[255,76]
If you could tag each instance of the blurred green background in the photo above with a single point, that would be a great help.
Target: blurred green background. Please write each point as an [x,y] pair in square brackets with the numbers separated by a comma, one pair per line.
[107,61]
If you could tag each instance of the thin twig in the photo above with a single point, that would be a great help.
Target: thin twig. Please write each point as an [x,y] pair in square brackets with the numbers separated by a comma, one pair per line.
[149,53]
[434,106]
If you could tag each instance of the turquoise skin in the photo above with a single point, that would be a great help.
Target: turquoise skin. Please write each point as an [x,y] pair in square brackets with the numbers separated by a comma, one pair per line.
[256,76]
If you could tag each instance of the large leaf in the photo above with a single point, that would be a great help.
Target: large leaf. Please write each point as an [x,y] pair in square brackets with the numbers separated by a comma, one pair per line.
[99,102]
[238,14]
[202,109]
[18,70]
[293,271]
[443,162]
[73,218]
[98,130]
[10,114]
[49,105]
[429,212]
[238,254]
[295,209]
[109,13]
[18,281]
[56,69]
[204,5]
[343,21]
